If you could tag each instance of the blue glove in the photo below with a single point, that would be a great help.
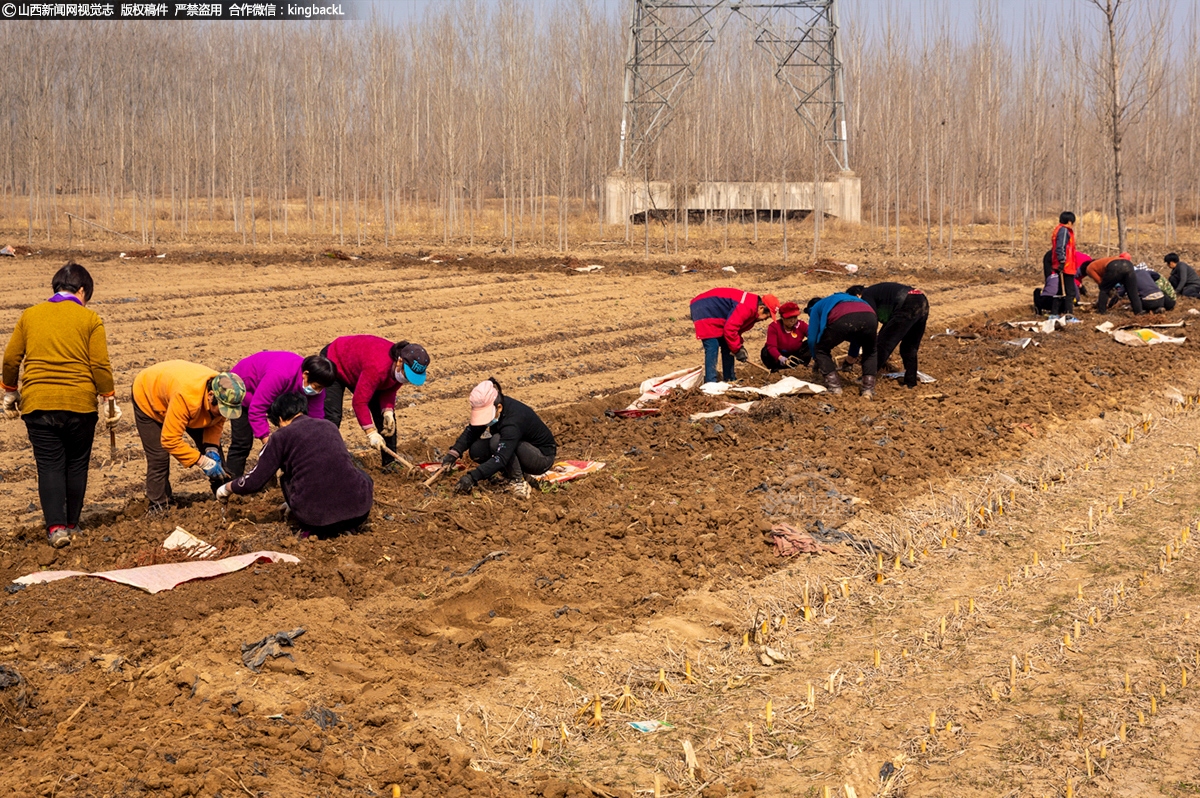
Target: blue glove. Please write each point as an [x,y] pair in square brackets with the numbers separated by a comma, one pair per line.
[210,463]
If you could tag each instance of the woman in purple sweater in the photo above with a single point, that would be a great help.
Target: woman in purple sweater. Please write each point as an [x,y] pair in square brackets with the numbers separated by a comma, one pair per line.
[269,375]
[324,492]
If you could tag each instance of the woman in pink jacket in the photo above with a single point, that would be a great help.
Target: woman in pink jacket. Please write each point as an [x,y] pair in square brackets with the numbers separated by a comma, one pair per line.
[372,369]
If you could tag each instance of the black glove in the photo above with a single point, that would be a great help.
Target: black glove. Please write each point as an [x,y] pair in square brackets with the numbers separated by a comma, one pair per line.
[450,459]
[466,484]
[741,355]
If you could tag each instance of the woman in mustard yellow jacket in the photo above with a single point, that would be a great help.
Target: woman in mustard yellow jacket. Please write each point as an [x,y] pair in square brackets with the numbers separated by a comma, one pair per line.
[65,383]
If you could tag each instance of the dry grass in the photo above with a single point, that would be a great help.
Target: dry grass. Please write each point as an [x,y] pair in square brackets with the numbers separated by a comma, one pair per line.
[421,226]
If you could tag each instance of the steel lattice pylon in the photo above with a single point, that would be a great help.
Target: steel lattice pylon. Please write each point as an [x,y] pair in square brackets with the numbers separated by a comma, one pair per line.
[668,40]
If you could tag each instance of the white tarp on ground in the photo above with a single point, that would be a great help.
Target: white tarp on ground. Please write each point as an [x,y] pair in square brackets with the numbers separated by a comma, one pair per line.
[656,388]
[157,578]
[743,407]
[1138,337]
[921,376]
[1043,325]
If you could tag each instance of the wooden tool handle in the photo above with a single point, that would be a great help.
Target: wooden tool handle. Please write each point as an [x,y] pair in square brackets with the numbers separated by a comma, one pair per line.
[435,476]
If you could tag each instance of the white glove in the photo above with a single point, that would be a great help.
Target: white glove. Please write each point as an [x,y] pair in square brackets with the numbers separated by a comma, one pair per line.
[376,440]
[12,405]
[104,410]
[223,492]
[389,422]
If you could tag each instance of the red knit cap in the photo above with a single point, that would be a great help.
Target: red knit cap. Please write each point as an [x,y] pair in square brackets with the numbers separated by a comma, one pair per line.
[789,309]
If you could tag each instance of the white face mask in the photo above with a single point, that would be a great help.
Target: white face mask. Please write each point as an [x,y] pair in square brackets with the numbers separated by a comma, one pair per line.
[398,374]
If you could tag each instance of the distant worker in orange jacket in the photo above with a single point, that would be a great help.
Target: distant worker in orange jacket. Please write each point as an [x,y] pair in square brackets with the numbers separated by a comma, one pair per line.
[1111,272]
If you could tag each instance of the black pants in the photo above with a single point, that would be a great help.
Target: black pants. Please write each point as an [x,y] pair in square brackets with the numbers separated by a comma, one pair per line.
[1164,302]
[1119,272]
[905,328]
[527,459]
[773,364]
[62,447]
[241,441]
[1192,291]
[859,330]
[334,398]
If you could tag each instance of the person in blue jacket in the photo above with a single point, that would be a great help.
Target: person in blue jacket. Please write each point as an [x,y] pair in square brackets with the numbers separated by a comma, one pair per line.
[836,319]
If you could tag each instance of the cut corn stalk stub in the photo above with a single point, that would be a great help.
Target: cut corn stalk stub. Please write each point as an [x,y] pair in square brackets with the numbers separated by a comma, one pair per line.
[626,701]
[662,685]
[687,672]
[596,720]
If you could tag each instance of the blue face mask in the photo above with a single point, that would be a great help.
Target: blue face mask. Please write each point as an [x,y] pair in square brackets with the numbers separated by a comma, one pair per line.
[492,423]
[309,390]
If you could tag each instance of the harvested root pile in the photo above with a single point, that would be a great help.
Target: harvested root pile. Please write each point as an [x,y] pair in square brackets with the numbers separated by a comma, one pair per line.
[157,555]
[685,403]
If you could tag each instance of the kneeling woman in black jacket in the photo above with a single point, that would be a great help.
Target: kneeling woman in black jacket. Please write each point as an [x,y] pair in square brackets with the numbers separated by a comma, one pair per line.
[325,492]
[504,436]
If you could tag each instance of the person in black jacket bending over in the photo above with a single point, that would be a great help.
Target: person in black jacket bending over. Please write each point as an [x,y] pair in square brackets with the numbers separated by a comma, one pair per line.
[504,435]
[324,492]
[903,312]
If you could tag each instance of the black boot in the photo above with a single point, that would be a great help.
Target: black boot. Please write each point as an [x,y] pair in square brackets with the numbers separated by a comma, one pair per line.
[868,386]
[833,383]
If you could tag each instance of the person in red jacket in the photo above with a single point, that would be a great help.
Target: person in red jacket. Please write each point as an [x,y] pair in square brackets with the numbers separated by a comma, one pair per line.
[1062,262]
[786,345]
[373,369]
[720,316]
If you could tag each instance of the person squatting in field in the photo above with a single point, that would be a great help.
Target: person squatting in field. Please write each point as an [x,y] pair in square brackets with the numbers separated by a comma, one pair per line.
[176,397]
[1108,274]
[269,375]
[502,436]
[720,317]
[66,384]
[373,369]
[838,318]
[787,342]
[1184,279]
[324,492]
[1049,297]
[903,312]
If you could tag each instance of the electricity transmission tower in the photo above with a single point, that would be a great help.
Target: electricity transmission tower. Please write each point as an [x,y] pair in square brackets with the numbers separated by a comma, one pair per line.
[669,39]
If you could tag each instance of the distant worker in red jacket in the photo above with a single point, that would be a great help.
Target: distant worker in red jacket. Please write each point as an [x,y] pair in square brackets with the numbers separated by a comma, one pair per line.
[720,316]
[1063,262]
[786,346]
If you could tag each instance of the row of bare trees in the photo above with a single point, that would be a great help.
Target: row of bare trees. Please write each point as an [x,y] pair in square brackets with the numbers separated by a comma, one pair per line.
[500,120]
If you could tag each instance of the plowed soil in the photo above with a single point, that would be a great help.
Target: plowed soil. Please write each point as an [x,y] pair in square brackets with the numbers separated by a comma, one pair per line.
[981,517]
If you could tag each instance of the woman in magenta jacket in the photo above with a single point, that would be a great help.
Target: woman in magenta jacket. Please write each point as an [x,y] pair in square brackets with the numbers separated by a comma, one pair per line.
[373,369]
[269,375]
